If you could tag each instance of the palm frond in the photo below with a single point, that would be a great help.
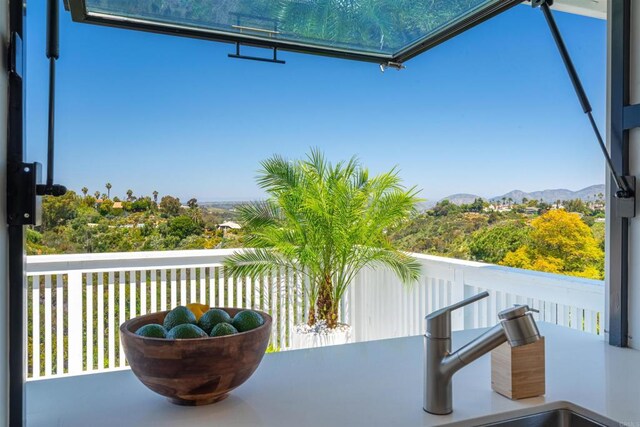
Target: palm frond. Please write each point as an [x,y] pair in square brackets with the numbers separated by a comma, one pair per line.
[255,263]
[259,214]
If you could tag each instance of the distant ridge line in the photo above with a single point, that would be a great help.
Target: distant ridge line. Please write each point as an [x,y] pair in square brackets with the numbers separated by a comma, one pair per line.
[586,194]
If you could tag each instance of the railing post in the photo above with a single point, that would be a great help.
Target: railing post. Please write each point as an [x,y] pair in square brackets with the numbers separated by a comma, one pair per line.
[457,294]
[74,322]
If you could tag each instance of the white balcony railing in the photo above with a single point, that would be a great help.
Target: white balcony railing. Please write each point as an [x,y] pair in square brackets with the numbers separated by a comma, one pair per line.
[76,302]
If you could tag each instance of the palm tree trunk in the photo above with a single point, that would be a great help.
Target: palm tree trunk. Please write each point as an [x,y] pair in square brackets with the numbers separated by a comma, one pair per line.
[327,307]
[312,316]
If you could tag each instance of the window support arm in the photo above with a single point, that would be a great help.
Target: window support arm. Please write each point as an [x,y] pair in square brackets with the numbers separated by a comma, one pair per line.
[53,53]
[625,193]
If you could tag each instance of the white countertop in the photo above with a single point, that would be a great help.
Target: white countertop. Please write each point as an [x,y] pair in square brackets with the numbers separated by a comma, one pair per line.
[376,383]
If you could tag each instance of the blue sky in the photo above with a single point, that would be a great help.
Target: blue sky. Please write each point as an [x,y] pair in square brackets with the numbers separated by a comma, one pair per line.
[487,112]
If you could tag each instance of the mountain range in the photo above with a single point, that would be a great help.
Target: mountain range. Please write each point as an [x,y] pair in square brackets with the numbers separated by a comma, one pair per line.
[548,196]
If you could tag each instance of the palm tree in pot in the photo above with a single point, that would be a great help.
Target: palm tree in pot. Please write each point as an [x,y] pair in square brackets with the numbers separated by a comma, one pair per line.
[326,223]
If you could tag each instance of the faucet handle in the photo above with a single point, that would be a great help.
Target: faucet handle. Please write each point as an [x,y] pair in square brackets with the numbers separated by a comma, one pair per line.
[439,321]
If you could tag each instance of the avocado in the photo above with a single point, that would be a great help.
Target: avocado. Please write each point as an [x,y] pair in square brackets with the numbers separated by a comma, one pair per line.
[213,317]
[246,320]
[186,331]
[179,316]
[152,331]
[222,329]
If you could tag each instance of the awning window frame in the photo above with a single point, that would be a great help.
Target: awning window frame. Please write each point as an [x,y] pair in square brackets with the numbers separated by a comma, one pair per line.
[78,9]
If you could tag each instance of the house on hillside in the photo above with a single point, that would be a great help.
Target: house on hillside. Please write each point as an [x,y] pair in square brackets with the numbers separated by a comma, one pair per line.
[117,205]
[229,225]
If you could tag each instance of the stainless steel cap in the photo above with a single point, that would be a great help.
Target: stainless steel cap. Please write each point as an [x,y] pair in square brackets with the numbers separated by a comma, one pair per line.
[513,312]
[520,329]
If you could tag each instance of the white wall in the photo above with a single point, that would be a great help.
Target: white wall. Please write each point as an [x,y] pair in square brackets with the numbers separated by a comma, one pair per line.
[593,8]
[634,279]
[4,297]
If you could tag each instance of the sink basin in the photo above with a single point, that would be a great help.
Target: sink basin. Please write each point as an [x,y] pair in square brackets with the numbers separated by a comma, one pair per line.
[557,414]
[556,418]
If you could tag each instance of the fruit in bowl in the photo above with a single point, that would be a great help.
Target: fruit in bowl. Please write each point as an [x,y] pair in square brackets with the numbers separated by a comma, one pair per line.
[192,361]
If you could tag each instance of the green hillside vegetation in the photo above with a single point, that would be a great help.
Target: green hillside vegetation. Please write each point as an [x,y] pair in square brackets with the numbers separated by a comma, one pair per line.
[565,238]
[96,223]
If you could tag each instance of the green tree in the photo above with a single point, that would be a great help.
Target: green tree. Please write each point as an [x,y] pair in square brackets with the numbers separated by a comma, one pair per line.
[493,243]
[477,206]
[108,186]
[89,201]
[194,212]
[155,197]
[142,204]
[445,207]
[105,207]
[129,195]
[85,191]
[170,205]
[325,222]
[183,227]
[57,211]
[576,205]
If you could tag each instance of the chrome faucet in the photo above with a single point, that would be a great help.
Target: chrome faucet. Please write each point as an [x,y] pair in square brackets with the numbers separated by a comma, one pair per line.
[516,326]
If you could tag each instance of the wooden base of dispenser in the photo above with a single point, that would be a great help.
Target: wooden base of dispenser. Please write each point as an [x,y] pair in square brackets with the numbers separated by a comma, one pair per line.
[518,372]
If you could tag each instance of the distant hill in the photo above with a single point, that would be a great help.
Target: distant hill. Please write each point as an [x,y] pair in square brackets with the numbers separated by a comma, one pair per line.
[462,199]
[223,205]
[517,196]
[548,196]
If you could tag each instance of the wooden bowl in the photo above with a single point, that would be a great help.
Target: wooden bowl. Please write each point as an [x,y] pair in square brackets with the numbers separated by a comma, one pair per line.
[196,371]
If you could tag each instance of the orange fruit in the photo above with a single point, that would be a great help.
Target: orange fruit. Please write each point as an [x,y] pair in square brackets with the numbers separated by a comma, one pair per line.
[198,309]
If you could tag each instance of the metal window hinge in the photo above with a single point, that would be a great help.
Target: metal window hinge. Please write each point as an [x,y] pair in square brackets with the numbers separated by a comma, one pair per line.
[395,65]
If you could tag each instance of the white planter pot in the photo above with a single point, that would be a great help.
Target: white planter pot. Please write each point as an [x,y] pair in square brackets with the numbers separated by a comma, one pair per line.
[319,336]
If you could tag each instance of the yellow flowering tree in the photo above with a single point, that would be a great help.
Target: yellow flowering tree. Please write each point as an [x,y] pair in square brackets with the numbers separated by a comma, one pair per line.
[559,242]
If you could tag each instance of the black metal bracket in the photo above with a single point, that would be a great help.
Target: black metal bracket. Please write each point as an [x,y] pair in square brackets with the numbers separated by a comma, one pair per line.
[273,60]
[24,208]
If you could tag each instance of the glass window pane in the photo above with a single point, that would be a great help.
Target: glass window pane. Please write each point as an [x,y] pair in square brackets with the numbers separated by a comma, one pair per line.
[380,28]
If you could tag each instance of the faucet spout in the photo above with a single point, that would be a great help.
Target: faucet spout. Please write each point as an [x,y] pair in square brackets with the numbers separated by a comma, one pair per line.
[474,349]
